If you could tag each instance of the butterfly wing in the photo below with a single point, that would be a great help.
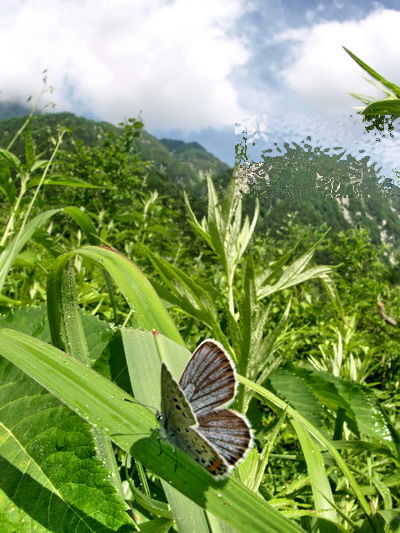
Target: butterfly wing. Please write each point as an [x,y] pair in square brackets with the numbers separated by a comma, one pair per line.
[178,426]
[175,409]
[208,380]
[227,431]
[203,452]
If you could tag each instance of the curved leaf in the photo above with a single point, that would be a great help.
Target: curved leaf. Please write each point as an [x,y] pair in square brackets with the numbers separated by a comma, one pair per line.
[130,426]
[386,83]
[11,159]
[143,299]
[11,251]
[383,107]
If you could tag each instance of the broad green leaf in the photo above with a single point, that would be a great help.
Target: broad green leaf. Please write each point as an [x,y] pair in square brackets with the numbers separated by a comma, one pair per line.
[360,403]
[130,425]
[106,351]
[296,390]
[30,320]
[51,479]
[33,321]
[308,390]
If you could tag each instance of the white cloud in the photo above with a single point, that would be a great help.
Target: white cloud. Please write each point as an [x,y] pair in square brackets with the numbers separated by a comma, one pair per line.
[320,74]
[172,59]
[255,126]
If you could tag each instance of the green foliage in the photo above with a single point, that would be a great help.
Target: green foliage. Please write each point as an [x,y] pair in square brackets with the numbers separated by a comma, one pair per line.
[166,170]
[296,310]
[57,445]
[388,106]
[109,165]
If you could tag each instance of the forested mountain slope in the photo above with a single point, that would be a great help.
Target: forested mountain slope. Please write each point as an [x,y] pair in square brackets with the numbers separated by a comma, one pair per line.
[298,181]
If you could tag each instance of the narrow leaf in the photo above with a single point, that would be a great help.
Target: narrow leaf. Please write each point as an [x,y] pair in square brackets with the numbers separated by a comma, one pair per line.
[389,85]
[320,485]
[65,182]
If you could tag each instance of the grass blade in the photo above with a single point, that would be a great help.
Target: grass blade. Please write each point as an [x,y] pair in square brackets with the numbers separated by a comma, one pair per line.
[386,83]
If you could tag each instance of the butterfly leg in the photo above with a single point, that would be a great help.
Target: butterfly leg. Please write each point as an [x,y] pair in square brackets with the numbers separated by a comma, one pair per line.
[159,439]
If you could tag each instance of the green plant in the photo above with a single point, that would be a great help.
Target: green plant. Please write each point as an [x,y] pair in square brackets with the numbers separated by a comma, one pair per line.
[101,402]
[390,105]
[325,444]
[18,180]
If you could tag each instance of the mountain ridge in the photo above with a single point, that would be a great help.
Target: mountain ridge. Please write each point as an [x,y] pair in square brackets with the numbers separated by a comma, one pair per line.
[186,166]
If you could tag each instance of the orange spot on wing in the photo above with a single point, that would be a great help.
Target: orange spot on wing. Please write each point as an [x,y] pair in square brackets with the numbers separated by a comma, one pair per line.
[215,466]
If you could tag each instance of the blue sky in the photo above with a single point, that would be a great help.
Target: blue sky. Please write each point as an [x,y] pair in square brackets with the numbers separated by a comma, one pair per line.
[194,68]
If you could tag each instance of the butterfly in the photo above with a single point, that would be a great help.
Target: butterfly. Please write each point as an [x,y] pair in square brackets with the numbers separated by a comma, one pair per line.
[192,418]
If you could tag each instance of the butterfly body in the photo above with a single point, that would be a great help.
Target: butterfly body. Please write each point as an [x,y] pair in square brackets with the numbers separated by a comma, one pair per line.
[192,418]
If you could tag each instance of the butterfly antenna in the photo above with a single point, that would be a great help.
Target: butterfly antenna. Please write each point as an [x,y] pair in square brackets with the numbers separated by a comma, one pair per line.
[140,403]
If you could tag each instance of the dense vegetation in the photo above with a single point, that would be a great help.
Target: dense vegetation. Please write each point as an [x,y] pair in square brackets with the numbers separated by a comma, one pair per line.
[295,307]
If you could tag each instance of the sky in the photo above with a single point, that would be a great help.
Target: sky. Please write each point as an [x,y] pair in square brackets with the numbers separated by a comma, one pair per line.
[194,68]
